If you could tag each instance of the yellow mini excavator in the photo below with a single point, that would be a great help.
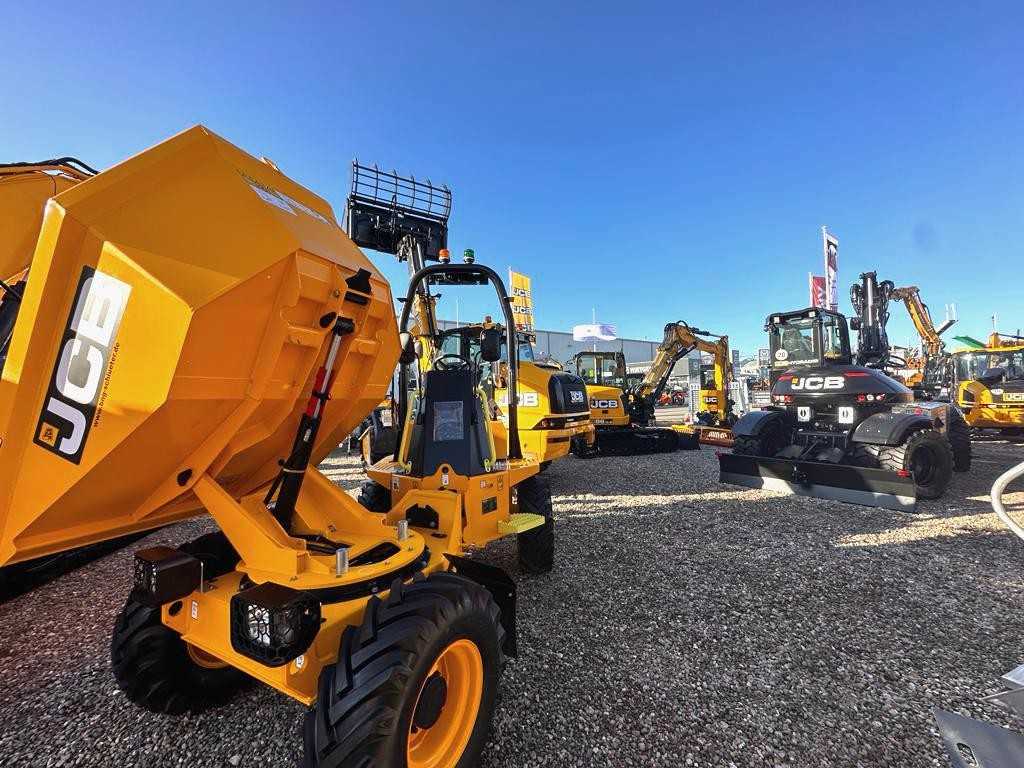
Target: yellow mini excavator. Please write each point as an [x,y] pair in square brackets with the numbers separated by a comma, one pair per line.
[623,411]
[553,410]
[196,334]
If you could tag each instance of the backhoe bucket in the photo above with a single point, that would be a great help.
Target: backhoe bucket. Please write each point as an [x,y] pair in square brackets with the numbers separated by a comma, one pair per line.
[177,309]
[840,482]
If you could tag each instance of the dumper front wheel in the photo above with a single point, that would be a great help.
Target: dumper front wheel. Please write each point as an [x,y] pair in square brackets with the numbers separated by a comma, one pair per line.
[158,671]
[928,455]
[537,545]
[375,497]
[415,684]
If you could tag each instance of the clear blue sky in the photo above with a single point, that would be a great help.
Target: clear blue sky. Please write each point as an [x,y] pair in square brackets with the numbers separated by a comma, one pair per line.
[657,162]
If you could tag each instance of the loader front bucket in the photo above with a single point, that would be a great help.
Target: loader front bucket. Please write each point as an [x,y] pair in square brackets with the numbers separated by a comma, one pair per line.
[840,482]
[177,309]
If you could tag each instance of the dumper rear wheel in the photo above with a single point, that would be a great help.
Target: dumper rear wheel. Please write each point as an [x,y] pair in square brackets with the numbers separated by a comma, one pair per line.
[928,455]
[157,670]
[375,497]
[537,545]
[415,684]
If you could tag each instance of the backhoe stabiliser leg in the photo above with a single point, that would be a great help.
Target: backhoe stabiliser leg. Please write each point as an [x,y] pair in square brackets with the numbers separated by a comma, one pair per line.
[294,469]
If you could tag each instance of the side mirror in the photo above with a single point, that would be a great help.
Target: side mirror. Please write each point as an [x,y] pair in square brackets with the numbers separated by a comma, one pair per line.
[490,344]
[854,323]
[408,354]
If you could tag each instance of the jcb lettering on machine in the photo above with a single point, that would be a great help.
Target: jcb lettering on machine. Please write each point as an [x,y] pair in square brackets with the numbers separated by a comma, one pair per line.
[78,373]
[818,382]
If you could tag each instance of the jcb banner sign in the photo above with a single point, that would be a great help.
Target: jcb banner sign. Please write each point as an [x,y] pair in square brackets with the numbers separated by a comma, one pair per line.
[522,300]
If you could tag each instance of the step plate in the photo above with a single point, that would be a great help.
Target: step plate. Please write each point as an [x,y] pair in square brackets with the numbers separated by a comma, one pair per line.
[520,523]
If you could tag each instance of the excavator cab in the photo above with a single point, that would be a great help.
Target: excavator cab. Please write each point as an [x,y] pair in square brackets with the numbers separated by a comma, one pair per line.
[808,338]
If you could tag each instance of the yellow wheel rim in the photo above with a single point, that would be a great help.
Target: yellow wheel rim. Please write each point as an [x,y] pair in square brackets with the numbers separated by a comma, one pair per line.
[204,659]
[441,744]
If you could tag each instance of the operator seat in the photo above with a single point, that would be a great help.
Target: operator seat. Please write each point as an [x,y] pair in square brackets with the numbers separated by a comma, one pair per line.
[450,426]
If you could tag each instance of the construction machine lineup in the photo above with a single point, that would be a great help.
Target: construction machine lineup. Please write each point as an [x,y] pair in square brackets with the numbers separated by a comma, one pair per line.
[121,338]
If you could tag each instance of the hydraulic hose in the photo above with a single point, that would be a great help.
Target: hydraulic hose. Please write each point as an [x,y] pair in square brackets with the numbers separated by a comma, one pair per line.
[997,498]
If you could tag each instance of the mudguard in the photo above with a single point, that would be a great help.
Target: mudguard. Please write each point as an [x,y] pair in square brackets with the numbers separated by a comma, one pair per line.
[754,424]
[889,428]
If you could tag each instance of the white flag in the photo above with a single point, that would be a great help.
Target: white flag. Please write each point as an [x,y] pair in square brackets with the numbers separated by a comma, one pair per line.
[594,332]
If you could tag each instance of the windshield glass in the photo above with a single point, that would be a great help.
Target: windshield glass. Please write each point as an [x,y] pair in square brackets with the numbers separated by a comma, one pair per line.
[975,365]
[601,369]
[793,343]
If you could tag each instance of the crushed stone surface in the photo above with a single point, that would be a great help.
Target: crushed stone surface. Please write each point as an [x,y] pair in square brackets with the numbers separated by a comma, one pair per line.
[686,623]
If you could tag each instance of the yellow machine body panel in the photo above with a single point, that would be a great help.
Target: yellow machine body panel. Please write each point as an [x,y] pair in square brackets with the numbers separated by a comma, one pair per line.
[606,406]
[543,433]
[161,344]
[990,404]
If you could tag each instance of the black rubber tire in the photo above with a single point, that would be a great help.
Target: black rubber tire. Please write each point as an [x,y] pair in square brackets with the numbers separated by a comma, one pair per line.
[960,441]
[537,545]
[898,458]
[152,666]
[375,497]
[366,699]
[768,443]
[215,552]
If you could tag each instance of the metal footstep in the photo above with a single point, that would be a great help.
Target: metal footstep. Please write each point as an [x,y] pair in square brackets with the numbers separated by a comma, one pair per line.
[520,523]
[974,744]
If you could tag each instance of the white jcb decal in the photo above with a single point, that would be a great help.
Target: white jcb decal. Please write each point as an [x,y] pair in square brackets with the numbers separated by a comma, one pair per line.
[818,382]
[576,396]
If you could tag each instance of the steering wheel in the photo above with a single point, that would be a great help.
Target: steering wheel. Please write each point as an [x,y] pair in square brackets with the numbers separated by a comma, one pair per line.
[451,363]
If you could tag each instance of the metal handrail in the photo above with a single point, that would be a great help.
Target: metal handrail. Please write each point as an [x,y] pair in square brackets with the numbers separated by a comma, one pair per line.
[998,487]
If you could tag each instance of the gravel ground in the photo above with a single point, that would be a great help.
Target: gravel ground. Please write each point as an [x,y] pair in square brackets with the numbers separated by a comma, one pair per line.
[686,624]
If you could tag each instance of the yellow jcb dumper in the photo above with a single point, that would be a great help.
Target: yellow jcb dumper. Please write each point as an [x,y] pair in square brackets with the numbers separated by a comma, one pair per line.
[196,334]
[24,191]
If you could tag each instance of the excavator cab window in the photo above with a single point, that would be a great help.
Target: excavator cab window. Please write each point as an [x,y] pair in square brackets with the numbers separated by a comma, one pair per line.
[810,338]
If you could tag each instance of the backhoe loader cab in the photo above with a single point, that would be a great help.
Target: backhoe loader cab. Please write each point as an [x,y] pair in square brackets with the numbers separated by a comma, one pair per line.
[839,430]
[197,333]
[988,384]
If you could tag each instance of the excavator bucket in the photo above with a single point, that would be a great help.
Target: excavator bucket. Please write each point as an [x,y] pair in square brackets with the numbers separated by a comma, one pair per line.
[840,482]
[177,309]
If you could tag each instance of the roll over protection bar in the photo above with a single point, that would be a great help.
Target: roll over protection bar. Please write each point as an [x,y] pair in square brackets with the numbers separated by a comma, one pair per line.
[468,274]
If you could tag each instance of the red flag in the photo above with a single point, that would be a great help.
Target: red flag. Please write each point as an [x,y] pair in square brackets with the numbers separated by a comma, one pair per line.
[817,288]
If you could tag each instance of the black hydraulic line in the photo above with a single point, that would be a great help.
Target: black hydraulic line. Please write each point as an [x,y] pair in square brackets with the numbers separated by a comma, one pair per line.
[11,290]
[73,162]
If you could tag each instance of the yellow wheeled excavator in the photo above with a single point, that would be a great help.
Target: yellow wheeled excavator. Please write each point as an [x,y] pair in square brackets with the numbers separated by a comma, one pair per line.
[553,410]
[195,335]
